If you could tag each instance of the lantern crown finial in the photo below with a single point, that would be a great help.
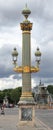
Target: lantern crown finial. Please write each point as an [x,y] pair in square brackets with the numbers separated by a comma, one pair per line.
[26,11]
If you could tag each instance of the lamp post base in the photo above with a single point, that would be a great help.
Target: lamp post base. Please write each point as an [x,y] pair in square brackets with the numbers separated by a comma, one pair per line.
[26,114]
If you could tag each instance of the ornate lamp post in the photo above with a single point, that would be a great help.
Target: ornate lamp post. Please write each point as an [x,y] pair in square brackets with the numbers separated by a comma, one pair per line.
[26,103]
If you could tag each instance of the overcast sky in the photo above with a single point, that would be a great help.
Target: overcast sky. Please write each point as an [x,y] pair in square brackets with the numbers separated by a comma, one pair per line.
[11,36]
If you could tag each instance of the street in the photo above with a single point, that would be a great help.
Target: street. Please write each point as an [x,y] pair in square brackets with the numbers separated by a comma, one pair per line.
[45,116]
[10,119]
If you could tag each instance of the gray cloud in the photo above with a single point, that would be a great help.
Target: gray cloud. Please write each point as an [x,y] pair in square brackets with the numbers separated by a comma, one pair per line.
[6,66]
[42,9]
[10,11]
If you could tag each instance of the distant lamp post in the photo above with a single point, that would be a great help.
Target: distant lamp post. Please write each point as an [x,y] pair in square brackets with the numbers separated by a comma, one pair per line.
[38,56]
[14,55]
[26,103]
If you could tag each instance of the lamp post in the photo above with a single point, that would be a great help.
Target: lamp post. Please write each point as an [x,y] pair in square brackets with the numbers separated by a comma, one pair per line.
[26,103]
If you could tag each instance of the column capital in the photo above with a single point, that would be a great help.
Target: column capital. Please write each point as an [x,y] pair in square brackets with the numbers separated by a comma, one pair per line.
[26,26]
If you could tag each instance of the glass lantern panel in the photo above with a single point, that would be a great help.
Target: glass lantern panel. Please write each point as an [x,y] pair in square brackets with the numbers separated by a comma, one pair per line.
[38,58]
[15,58]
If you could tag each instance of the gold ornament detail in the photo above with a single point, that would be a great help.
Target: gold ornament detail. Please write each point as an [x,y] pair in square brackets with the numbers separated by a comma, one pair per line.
[34,69]
[18,69]
[26,69]
[26,26]
[26,94]
[26,32]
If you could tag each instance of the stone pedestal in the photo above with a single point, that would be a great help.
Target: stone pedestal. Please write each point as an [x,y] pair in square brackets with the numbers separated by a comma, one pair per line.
[26,114]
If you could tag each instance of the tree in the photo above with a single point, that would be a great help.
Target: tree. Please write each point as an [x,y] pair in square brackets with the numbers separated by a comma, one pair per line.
[50,89]
[15,94]
[1,97]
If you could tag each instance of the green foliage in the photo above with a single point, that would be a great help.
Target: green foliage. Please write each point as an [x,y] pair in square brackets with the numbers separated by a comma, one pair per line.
[12,94]
[15,95]
[50,89]
[1,96]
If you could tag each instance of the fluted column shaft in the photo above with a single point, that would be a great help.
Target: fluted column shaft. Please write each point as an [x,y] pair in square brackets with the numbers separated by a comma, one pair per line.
[26,61]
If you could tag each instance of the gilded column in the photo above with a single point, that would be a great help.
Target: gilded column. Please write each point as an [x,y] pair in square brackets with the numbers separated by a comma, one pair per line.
[26,28]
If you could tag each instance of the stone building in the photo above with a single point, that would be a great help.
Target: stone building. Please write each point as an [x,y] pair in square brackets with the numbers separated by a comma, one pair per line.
[40,93]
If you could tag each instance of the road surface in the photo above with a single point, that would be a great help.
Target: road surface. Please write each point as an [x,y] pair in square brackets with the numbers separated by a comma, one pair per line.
[45,116]
[10,119]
